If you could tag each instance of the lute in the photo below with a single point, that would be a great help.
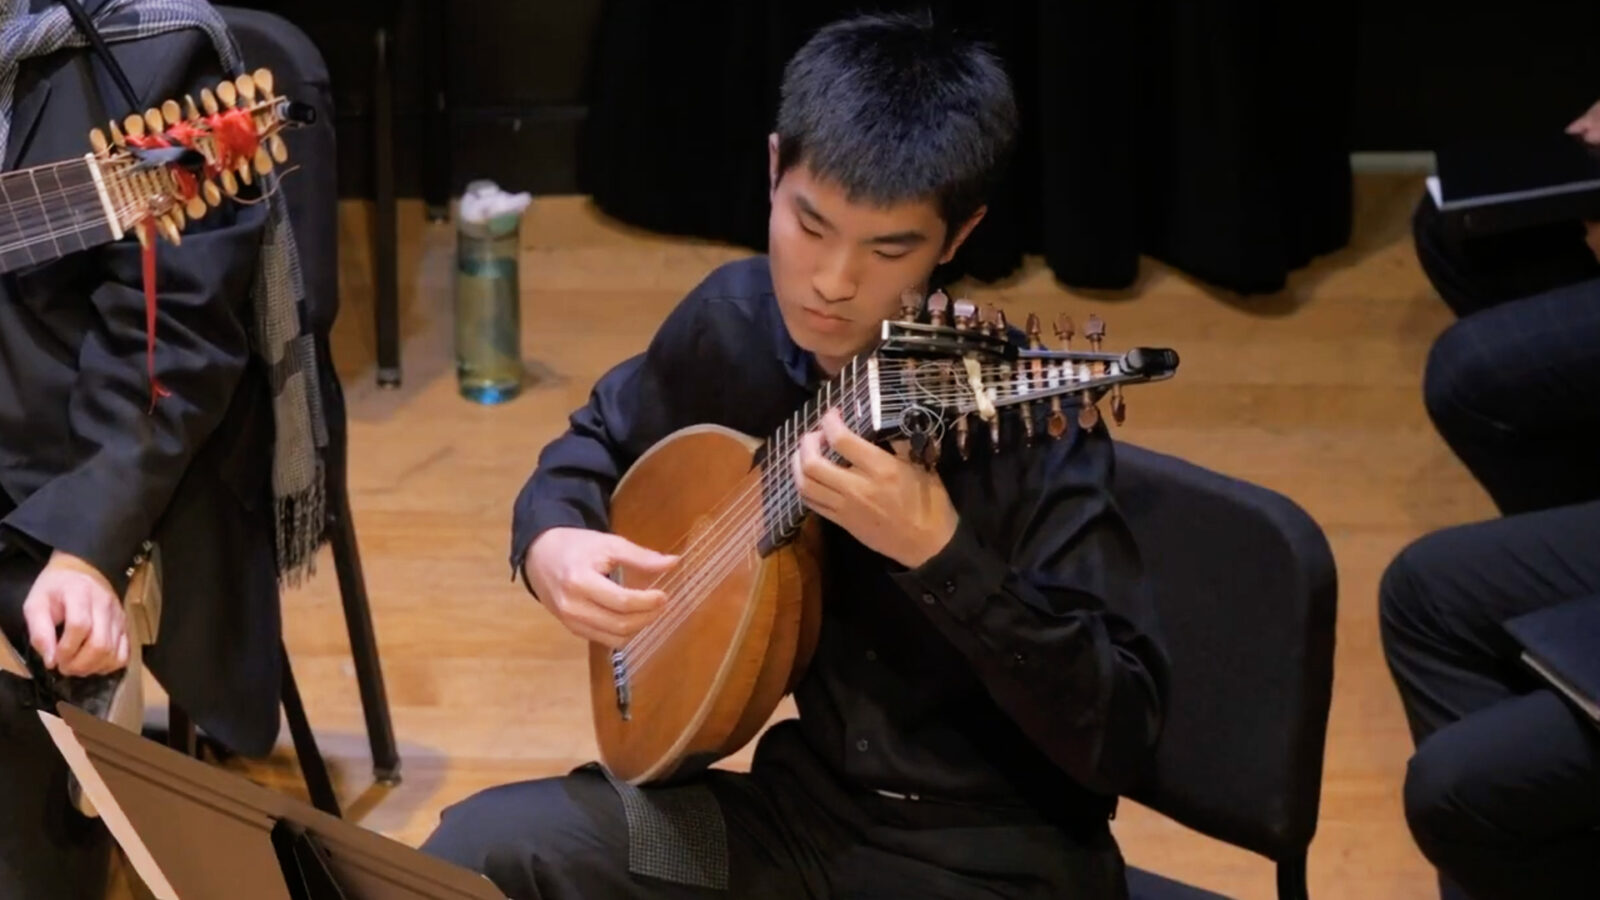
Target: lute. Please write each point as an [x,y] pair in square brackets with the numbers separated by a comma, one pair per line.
[151,176]
[743,607]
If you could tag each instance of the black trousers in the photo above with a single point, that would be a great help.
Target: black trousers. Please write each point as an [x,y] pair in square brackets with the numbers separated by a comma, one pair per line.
[48,850]
[792,832]
[1503,793]
[1514,386]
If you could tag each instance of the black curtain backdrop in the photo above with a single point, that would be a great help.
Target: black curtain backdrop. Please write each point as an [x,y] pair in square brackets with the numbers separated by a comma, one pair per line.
[1212,136]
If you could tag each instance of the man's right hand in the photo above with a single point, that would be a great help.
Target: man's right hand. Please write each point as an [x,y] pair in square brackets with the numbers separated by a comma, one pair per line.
[569,571]
[71,593]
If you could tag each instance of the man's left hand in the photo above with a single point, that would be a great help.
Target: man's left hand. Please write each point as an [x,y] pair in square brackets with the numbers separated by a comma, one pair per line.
[889,504]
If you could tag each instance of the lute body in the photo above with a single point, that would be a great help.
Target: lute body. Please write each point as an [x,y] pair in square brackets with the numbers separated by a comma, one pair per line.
[744,606]
[704,691]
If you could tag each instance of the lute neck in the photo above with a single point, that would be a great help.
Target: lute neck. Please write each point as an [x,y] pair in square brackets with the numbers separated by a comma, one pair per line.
[50,211]
[851,391]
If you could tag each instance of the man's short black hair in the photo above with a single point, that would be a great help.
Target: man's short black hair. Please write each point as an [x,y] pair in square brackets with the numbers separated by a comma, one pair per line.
[893,108]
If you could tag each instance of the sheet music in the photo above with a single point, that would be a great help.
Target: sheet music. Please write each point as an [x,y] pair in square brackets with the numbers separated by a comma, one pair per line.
[106,804]
[1564,686]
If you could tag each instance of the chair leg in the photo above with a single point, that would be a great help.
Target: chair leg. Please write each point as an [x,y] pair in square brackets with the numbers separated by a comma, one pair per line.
[312,766]
[363,644]
[1292,879]
[435,141]
[385,258]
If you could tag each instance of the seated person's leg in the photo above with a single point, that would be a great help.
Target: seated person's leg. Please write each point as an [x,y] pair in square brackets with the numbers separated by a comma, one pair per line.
[1443,603]
[568,837]
[1476,273]
[1515,392]
[1507,801]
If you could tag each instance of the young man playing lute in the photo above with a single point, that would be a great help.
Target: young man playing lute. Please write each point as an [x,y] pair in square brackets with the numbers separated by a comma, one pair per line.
[989,674]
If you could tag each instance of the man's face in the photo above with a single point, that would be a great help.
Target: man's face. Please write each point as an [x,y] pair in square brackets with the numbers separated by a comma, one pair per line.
[839,268]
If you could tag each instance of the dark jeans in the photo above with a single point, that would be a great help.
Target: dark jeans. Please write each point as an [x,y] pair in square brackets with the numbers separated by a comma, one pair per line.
[1514,386]
[1503,793]
[48,850]
[792,832]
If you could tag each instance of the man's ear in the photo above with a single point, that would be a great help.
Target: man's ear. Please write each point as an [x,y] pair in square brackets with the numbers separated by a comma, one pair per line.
[961,234]
[772,165]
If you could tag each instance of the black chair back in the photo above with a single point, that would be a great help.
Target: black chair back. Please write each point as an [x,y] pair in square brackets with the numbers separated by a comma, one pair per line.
[310,184]
[1245,584]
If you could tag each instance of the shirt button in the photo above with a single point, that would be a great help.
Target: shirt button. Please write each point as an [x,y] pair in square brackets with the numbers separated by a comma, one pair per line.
[950,586]
[862,745]
[929,599]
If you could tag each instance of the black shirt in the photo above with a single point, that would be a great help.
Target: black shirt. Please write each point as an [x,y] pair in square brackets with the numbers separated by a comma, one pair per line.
[1020,668]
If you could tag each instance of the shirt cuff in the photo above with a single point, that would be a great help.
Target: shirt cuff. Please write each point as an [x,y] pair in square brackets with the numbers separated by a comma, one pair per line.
[959,579]
[527,529]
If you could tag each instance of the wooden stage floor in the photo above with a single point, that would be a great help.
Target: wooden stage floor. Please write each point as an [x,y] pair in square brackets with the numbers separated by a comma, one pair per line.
[1314,392]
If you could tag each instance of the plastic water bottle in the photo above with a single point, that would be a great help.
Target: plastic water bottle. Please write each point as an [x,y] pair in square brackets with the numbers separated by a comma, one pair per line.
[488,316]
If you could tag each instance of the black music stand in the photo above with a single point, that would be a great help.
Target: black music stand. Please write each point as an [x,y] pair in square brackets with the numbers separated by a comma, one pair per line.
[194,831]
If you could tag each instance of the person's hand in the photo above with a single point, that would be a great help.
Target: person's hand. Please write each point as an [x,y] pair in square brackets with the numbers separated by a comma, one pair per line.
[569,571]
[70,592]
[888,503]
[1587,126]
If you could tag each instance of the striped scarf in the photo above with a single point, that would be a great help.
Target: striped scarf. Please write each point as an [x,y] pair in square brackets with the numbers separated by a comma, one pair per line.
[279,336]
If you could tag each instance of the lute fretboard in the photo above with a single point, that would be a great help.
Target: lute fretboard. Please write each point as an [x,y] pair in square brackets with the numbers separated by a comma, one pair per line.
[49,211]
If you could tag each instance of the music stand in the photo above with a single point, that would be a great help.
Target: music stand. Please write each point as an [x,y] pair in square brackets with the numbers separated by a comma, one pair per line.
[193,831]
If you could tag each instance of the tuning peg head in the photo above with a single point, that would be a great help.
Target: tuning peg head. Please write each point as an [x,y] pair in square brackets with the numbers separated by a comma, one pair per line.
[1058,423]
[279,149]
[212,193]
[117,136]
[171,113]
[938,307]
[246,85]
[263,79]
[98,143]
[152,119]
[230,184]
[189,108]
[997,317]
[1064,328]
[134,124]
[966,312]
[1119,407]
[179,220]
[208,102]
[263,161]
[196,207]
[169,230]
[910,301]
[1033,329]
[1088,417]
[228,94]
[1095,330]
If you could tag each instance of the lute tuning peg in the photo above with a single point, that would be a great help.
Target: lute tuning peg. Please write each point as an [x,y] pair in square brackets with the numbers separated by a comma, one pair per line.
[910,306]
[938,307]
[994,325]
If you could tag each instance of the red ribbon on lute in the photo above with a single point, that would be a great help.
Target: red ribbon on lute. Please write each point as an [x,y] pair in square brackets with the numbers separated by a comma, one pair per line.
[233,134]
